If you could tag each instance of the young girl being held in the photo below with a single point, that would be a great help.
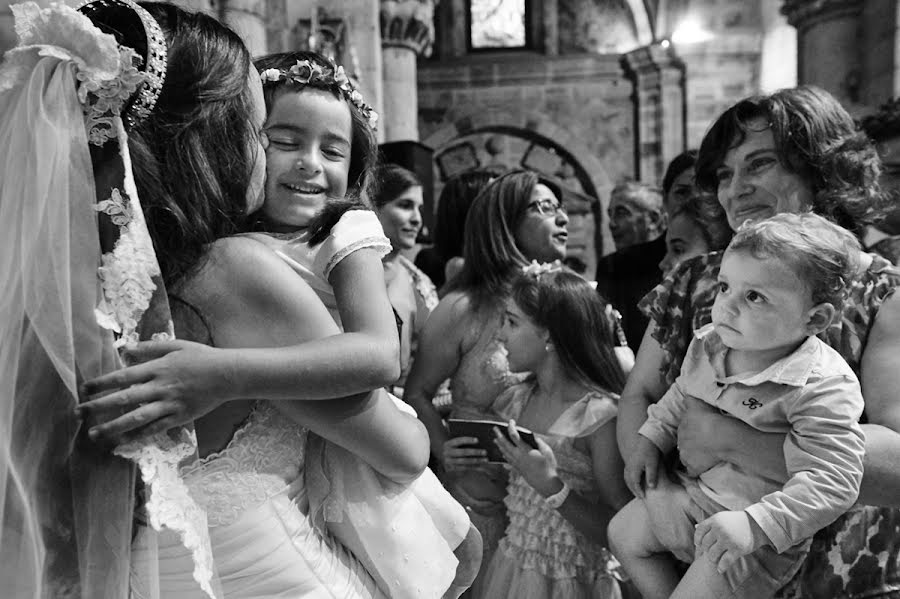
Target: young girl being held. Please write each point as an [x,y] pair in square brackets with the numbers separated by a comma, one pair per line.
[319,134]
[320,147]
[562,495]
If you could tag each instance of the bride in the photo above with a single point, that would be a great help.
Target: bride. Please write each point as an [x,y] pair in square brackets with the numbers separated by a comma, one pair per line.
[193,134]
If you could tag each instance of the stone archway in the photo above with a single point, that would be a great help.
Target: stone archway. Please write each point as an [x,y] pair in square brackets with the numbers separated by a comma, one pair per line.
[594,178]
[599,178]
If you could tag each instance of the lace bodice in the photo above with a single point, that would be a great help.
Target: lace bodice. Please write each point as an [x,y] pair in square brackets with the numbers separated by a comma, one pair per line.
[265,455]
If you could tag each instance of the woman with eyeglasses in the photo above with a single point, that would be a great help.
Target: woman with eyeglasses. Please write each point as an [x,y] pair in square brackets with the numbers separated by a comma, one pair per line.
[517,218]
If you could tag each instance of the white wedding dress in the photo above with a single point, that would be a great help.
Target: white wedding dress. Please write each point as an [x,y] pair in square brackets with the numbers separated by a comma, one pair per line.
[264,544]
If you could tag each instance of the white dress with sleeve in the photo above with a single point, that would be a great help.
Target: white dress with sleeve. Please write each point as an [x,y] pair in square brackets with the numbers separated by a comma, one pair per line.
[404,534]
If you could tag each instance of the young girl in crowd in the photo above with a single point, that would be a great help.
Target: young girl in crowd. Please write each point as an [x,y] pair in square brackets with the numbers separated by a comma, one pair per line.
[319,138]
[561,496]
[782,282]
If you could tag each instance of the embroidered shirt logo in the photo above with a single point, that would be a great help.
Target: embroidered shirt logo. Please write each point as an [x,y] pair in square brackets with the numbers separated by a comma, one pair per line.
[752,403]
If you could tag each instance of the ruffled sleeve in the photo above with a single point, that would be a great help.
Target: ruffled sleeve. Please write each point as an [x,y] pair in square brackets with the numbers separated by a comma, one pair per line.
[679,305]
[357,229]
[585,416]
[509,404]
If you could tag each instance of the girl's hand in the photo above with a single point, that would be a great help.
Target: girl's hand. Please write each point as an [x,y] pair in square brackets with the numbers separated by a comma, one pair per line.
[696,432]
[642,464]
[456,456]
[170,384]
[537,466]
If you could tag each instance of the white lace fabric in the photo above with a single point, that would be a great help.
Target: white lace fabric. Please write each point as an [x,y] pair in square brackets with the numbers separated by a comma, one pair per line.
[62,88]
[261,459]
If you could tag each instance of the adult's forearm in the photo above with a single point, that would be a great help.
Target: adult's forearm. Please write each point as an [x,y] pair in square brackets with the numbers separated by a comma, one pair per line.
[881,476]
[632,414]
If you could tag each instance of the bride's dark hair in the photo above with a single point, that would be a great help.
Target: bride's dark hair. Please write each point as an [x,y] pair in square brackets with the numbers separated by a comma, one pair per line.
[193,155]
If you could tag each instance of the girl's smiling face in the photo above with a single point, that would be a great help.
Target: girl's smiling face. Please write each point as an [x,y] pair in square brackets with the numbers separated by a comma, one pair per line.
[309,135]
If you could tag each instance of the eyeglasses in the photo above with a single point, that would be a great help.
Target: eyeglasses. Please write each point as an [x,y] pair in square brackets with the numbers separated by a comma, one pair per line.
[547,207]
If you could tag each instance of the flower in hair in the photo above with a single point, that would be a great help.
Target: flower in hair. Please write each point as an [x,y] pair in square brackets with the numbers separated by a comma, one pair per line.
[536,269]
[306,72]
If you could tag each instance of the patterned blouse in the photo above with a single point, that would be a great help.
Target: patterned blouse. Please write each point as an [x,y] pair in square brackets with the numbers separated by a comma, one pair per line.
[858,556]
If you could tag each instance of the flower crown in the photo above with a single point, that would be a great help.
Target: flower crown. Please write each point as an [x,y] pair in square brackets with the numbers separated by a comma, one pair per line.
[333,77]
[536,269]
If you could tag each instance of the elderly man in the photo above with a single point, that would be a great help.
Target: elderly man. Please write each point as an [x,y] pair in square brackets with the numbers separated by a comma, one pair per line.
[637,224]
[635,214]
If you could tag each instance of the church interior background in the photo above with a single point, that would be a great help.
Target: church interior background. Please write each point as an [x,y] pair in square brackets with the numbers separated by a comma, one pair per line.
[589,92]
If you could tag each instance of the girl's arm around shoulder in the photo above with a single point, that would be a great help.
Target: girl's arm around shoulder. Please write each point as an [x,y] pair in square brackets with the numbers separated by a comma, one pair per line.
[368,424]
[367,317]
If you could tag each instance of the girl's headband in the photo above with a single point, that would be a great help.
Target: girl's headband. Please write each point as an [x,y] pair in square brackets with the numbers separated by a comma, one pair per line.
[332,77]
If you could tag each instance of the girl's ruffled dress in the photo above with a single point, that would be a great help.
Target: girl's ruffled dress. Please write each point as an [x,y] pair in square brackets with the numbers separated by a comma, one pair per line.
[542,555]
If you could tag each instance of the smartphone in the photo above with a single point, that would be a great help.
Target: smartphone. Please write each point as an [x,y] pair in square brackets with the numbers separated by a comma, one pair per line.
[483,430]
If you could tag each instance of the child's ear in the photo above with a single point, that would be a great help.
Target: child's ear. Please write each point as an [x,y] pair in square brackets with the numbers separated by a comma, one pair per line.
[819,318]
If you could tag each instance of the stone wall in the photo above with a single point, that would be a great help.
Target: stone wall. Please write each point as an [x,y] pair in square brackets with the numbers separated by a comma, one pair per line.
[580,104]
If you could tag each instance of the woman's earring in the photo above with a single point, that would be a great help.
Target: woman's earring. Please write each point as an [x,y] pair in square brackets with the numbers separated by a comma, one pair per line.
[548,347]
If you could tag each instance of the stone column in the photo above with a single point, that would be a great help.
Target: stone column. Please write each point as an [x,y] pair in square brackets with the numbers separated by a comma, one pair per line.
[828,45]
[248,19]
[660,129]
[407,31]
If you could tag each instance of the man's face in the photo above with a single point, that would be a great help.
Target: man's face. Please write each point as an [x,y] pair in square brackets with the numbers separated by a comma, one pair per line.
[629,222]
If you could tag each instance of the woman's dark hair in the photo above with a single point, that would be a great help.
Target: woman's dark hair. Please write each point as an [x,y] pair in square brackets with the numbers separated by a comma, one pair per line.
[678,165]
[363,146]
[193,156]
[390,181]
[816,139]
[575,316]
[492,258]
[707,214]
[453,205]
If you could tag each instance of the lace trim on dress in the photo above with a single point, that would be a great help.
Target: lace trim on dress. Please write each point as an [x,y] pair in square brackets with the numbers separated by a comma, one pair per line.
[126,278]
[423,284]
[375,242]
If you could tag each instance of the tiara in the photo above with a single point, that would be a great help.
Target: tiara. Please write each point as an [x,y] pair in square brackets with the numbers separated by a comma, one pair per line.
[536,269]
[157,53]
[306,72]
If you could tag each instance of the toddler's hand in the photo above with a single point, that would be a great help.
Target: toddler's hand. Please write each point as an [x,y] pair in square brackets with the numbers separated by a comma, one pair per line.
[537,466]
[459,455]
[643,463]
[727,536]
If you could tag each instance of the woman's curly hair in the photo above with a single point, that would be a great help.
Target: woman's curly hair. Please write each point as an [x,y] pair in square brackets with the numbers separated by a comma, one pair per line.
[815,138]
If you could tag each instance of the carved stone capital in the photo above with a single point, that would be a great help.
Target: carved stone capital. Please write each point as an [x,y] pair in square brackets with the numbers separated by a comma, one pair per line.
[408,24]
[805,13]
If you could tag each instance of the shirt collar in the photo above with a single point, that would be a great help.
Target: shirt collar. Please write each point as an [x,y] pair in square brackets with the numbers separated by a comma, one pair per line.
[794,369]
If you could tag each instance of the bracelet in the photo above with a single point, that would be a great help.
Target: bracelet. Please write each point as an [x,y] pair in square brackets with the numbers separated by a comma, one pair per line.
[557,499]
